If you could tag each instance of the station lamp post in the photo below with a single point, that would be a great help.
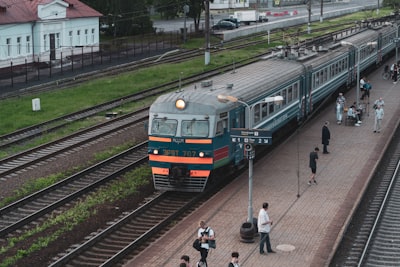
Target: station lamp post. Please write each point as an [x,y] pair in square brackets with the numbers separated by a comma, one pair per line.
[358,63]
[251,152]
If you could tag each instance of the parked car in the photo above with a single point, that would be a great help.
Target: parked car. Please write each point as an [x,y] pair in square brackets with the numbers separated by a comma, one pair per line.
[224,25]
[234,21]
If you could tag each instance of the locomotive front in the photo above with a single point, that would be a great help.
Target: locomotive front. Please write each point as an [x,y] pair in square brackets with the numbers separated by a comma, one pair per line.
[181,143]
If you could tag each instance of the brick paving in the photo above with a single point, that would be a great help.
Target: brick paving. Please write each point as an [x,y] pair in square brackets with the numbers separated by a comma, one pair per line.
[313,222]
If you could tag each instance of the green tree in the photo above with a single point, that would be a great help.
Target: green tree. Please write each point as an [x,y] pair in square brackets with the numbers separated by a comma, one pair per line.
[168,9]
[196,9]
[125,17]
[395,4]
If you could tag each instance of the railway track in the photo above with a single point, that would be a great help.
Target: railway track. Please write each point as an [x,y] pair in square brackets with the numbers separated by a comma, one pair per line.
[372,238]
[36,156]
[131,233]
[40,205]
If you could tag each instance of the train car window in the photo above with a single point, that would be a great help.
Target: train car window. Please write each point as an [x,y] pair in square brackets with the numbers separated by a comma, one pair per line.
[264,110]
[295,91]
[271,108]
[256,113]
[325,75]
[284,96]
[290,95]
[195,128]
[162,126]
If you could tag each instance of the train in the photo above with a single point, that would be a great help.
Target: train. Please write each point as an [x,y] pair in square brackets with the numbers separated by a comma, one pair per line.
[190,129]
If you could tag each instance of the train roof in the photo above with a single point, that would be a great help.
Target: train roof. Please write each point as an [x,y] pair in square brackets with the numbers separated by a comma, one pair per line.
[252,82]
[245,83]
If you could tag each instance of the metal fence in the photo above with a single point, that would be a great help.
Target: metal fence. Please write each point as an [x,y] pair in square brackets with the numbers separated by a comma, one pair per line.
[77,61]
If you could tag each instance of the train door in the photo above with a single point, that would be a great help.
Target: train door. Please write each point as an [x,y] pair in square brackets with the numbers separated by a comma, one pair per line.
[52,46]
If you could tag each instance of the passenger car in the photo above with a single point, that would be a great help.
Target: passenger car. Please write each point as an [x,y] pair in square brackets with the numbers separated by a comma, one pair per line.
[233,20]
[224,25]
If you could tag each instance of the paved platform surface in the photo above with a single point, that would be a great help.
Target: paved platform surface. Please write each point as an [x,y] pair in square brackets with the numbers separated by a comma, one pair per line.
[313,222]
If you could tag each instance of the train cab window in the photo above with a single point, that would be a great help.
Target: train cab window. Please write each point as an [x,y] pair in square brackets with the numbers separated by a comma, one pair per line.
[163,126]
[195,128]
[221,125]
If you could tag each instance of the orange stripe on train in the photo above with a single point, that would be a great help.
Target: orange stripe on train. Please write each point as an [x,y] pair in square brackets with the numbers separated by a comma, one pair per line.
[173,159]
[160,139]
[193,173]
[198,141]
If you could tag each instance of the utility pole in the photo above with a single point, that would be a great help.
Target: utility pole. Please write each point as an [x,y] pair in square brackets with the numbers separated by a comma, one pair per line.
[309,17]
[321,18]
[207,32]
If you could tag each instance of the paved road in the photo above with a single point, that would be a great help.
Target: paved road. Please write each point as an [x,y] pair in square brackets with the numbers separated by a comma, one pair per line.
[177,24]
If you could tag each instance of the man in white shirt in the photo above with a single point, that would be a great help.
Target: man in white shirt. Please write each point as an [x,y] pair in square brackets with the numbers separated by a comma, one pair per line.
[264,227]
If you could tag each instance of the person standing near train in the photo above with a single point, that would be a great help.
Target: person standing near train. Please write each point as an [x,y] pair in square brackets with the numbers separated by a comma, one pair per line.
[378,119]
[264,224]
[326,136]
[340,103]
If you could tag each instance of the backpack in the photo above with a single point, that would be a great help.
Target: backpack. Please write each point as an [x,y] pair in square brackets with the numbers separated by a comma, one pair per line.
[211,243]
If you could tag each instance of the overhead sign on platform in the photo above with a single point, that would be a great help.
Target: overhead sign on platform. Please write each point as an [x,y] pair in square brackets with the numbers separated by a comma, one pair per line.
[251,136]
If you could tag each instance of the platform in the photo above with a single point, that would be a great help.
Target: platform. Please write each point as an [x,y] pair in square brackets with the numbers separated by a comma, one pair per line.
[308,219]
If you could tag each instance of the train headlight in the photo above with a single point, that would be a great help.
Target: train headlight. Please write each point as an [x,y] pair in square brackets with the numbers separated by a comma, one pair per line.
[155,151]
[201,154]
[180,104]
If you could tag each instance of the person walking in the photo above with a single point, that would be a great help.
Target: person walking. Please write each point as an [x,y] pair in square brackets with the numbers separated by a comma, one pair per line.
[313,165]
[326,136]
[264,224]
[378,119]
[235,260]
[204,233]
[367,90]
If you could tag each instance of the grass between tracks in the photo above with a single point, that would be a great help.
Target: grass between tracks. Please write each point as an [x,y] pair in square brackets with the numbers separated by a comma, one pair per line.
[69,220]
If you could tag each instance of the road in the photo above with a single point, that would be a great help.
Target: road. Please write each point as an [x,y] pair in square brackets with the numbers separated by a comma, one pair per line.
[216,15]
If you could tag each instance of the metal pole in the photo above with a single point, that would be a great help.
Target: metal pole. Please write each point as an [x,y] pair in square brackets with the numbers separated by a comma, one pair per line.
[397,40]
[358,75]
[250,209]
[207,32]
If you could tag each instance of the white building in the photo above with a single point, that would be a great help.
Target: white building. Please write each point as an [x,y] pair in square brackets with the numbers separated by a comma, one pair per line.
[229,4]
[43,30]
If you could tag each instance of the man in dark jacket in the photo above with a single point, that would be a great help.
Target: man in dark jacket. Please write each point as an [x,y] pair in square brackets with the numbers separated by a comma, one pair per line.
[326,135]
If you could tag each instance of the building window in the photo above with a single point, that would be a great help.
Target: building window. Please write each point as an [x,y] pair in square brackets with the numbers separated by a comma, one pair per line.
[70,38]
[86,36]
[78,33]
[28,44]
[18,45]
[58,44]
[45,42]
[9,48]
[93,36]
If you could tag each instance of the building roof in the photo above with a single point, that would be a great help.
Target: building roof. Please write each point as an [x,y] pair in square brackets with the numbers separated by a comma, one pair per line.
[22,11]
